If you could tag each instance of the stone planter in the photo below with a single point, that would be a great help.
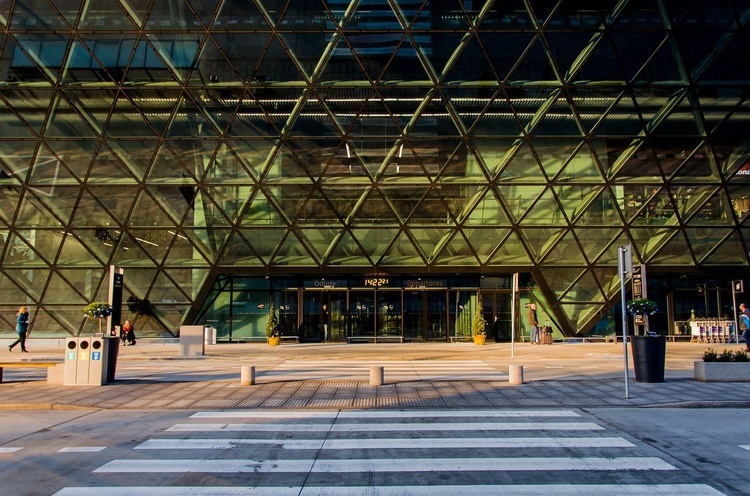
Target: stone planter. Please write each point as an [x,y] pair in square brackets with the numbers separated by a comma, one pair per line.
[722,371]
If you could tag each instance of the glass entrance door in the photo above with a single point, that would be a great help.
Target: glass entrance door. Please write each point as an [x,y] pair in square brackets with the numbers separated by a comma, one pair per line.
[389,313]
[425,315]
[362,313]
[323,316]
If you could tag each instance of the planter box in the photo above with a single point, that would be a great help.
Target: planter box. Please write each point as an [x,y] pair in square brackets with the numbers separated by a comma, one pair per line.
[722,371]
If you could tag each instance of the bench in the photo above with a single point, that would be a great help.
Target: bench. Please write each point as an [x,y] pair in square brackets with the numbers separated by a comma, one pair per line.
[461,338]
[375,339]
[29,364]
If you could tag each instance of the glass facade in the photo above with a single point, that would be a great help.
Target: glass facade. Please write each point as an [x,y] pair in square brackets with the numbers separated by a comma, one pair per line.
[187,141]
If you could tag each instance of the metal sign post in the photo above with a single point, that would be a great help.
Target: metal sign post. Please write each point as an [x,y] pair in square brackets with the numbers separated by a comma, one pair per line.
[513,306]
[625,267]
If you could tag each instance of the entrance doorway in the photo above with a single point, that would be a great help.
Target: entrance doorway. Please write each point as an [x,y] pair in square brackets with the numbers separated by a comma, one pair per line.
[323,316]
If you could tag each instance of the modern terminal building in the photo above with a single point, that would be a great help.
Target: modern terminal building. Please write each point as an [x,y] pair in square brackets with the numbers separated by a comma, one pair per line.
[372,167]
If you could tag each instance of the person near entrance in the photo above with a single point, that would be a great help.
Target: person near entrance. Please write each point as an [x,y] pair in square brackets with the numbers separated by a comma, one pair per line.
[534,323]
[324,321]
[745,324]
[22,326]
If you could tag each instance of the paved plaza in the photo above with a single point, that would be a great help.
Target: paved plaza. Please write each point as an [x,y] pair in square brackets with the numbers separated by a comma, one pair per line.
[152,374]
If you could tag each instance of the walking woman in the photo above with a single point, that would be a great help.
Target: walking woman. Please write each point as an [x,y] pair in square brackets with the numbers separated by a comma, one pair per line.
[22,325]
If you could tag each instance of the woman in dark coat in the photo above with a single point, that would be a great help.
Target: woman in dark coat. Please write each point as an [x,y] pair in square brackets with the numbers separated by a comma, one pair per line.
[22,325]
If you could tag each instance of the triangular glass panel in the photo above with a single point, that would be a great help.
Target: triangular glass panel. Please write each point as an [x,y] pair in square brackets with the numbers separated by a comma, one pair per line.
[534,66]
[696,47]
[375,210]
[230,198]
[495,153]
[319,241]
[544,211]
[53,322]
[293,253]
[511,253]
[168,169]
[156,242]
[286,166]
[375,241]
[254,154]
[650,240]
[730,252]
[148,214]
[264,242]
[142,102]
[611,254]
[100,241]
[602,63]
[244,16]
[59,291]
[541,241]
[681,121]
[674,252]
[210,241]
[609,279]
[82,65]
[342,66]
[213,71]
[317,210]
[313,120]
[518,199]
[716,211]
[523,166]
[641,167]
[276,65]
[25,283]
[11,291]
[43,57]
[404,105]
[460,198]
[164,289]
[585,289]
[457,252]
[138,280]
[484,241]
[226,168]
[576,199]
[306,47]
[430,210]
[20,120]
[699,167]
[291,199]
[570,154]
[206,213]
[403,199]
[595,240]
[683,151]
[130,254]
[30,248]
[174,200]
[348,253]
[698,204]
[238,253]
[740,198]
[75,154]
[81,280]
[193,155]
[601,211]
[566,252]
[430,241]
[182,253]
[89,213]
[108,169]
[569,47]
[32,213]
[451,158]
[659,209]
[505,48]
[262,212]
[486,212]
[734,124]
[65,121]
[127,152]
[661,66]
[564,278]
[74,254]
[622,118]
[634,51]
[343,197]
[704,241]
[405,163]
[471,63]
[401,252]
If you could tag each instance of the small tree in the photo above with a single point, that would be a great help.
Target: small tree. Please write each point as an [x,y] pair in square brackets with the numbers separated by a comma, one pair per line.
[478,325]
[272,324]
[98,310]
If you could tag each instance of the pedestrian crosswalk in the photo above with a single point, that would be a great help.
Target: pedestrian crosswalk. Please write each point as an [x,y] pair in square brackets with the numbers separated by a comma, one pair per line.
[389,452]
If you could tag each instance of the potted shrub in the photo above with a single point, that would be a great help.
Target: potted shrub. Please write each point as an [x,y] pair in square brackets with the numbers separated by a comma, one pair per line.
[650,350]
[98,310]
[273,330]
[479,326]
[727,366]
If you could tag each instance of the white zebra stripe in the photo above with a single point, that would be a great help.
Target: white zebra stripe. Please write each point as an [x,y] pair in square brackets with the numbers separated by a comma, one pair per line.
[386,465]
[463,490]
[388,427]
[369,414]
[419,443]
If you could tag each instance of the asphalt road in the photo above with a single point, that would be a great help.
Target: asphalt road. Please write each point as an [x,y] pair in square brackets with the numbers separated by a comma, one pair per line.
[646,451]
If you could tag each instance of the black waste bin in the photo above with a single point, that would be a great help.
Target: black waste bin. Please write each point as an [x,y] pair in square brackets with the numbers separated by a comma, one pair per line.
[112,349]
[649,356]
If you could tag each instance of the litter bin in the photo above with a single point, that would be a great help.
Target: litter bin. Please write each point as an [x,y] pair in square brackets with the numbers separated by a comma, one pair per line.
[649,356]
[192,341]
[71,361]
[209,335]
[111,352]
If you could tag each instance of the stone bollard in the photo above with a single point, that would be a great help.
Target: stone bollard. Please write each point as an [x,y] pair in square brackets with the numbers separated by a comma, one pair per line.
[377,377]
[247,375]
[515,374]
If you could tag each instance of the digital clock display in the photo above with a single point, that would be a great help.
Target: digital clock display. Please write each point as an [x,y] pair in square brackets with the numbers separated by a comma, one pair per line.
[376,281]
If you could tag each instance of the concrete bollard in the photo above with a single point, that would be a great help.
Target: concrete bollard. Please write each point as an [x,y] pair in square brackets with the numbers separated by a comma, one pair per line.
[377,377]
[247,375]
[515,374]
